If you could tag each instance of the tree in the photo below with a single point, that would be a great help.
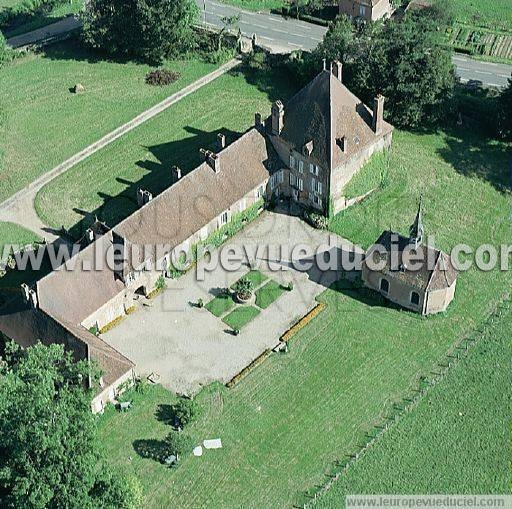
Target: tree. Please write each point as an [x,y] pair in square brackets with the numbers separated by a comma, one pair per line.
[185,411]
[149,30]
[49,456]
[505,109]
[338,41]
[417,76]
[178,443]
[5,51]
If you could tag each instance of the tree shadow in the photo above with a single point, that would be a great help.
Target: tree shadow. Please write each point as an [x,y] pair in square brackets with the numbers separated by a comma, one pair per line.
[151,449]
[476,156]
[167,414]
[158,177]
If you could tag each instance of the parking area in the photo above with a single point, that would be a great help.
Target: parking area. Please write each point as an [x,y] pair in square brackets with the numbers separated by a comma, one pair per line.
[189,347]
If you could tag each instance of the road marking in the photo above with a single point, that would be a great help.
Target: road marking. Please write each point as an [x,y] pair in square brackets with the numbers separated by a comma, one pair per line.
[268,38]
[464,68]
[483,72]
[293,44]
[504,75]
[279,20]
[494,85]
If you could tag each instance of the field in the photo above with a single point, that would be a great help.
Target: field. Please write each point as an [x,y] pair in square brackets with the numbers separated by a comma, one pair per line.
[495,15]
[256,5]
[456,440]
[285,425]
[13,234]
[37,20]
[43,123]
[106,182]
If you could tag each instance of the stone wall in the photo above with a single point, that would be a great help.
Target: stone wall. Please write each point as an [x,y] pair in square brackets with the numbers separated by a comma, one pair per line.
[342,175]
[439,300]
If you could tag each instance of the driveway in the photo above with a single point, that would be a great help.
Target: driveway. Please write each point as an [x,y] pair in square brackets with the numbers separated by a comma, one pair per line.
[190,347]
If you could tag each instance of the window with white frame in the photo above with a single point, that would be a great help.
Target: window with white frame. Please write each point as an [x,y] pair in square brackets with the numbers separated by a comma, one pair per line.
[292,179]
[301,166]
[314,169]
[203,234]
[242,204]
[260,192]
[362,11]
[300,184]
[224,217]
[292,161]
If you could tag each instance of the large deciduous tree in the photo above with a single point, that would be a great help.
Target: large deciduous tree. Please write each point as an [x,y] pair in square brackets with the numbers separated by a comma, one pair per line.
[148,30]
[49,456]
[505,108]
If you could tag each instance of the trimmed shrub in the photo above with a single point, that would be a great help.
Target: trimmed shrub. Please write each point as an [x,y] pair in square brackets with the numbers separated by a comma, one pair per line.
[178,443]
[162,77]
[186,411]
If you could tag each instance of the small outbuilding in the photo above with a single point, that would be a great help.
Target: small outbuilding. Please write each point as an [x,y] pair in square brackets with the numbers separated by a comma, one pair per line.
[409,273]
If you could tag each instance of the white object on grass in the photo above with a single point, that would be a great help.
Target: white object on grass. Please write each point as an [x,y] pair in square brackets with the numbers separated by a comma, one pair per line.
[198,451]
[216,443]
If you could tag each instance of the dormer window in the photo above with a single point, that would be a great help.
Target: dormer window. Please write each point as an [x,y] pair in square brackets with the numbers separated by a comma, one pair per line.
[292,162]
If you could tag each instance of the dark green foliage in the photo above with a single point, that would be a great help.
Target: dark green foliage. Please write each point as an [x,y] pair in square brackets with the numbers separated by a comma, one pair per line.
[178,443]
[26,9]
[185,411]
[405,61]
[149,30]
[5,51]
[244,287]
[505,109]
[316,220]
[162,77]
[49,453]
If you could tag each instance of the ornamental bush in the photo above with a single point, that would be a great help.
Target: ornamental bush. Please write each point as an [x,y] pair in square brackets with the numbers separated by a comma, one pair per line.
[162,77]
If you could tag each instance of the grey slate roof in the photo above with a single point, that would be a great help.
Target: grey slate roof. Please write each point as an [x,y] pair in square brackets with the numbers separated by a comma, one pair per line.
[324,111]
[436,275]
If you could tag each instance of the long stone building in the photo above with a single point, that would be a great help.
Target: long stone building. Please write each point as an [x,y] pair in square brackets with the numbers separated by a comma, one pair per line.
[307,150]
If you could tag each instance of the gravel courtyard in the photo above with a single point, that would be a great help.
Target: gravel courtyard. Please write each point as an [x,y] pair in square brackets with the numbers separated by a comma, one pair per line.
[190,347]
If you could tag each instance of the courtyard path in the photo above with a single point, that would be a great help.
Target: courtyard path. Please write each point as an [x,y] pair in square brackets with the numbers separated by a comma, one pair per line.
[19,208]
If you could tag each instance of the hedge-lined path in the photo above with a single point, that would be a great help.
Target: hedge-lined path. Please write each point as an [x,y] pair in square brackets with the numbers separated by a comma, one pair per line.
[19,208]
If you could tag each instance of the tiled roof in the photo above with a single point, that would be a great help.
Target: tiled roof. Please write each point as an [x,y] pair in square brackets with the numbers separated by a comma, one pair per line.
[326,111]
[201,195]
[436,275]
[28,326]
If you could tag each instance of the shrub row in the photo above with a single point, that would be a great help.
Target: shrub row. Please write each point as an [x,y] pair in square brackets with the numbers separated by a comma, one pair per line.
[254,364]
[303,322]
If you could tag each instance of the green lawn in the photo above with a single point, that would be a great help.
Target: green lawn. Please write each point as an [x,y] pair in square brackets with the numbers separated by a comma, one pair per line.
[43,123]
[269,293]
[38,20]
[106,182]
[220,305]
[11,233]
[457,440]
[496,14]
[289,420]
[255,277]
[241,316]
[256,5]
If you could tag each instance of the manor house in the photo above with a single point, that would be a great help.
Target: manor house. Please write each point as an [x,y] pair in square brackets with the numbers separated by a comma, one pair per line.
[307,150]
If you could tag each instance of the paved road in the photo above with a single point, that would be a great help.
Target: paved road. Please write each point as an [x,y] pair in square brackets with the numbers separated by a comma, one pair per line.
[283,35]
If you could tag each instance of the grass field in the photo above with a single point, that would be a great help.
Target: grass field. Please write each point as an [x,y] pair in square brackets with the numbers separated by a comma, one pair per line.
[290,419]
[457,440]
[220,305]
[43,123]
[106,183]
[256,5]
[11,233]
[268,293]
[38,20]
[241,316]
[496,14]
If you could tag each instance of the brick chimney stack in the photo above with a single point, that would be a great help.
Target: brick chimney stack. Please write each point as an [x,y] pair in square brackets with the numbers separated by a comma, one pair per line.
[221,142]
[258,122]
[378,114]
[277,118]
[176,173]
[211,159]
[338,68]
[143,197]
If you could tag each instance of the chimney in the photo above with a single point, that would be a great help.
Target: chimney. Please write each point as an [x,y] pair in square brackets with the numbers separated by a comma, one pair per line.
[343,144]
[29,295]
[257,120]
[143,197]
[325,64]
[339,70]
[221,142]
[277,118]
[89,234]
[176,173]
[211,159]
[26,292]
[378,114]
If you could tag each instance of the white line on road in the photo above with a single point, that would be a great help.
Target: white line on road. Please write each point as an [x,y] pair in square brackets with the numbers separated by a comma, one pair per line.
[483,72]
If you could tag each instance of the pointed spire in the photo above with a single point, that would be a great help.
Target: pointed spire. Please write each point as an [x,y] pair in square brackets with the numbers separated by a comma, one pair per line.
[416,230]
